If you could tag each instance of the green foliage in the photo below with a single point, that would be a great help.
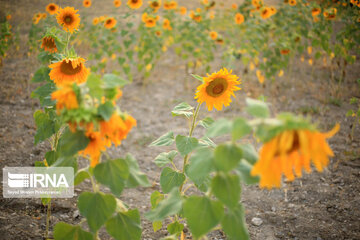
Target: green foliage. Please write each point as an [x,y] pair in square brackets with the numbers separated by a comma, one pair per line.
[170,179]
[125,225]
[64,231]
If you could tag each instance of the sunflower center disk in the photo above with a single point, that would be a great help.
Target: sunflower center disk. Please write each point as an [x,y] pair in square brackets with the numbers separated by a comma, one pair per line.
[217,87]
[134,1]
[68,69]
[68,19]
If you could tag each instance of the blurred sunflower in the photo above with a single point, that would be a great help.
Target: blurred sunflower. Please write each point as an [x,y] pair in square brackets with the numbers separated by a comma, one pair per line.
[52,8]
[183,10]
[117,3]
[315,11]
[69,70]
[291,151]
[167,24]
[285,51]
[213,35]
[292,2]
[195,16]
[168,5]
[110,23]
[65,97]
[87,3]
[48,44]
[155,5]
[260,76]
[158,33]
[234,6]
[8,17]
[266,13]
[68,19]
[330,14]
[96,21]
[96,145]
[134,4]
[43,15]
[239,18]
[217,89]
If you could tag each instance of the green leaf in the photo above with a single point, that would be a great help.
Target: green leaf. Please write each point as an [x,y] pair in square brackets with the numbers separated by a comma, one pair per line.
[200,165]
[185,144]
[234,224]
[80,177]
[42,74]
[97,208]
[183,109]
[227,157]
[165,157]
[64,231]
[155,198]
[66,161]
[170,179]
[94,84]
[136,177]
[106,110]
[227,189]
[112,81]
[249,153]
[240,128]
[175,228]
[70,143]
[125,225]
[218,128]
[51,157]
[206,142]
[206,122]
[113,174]
[157,225]
[257,108]
[45,126]
[44,91]
[165,140]
[202,214]
[244,170]
[197,77]
[167,207]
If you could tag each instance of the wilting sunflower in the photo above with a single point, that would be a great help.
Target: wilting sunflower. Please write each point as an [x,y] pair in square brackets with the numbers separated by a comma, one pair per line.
[217,89]
[110,23]
[69,70]
[134,4]
[292,2]
[65,97]
[96,145]
[36,18]
[68,19]
[87,3]
[52,8]
[291,151]
[117,3]
[239,18]
[330,14]
[183,10]
[155,5]
[167,25]
[48,44]
[213,35]
[315,11]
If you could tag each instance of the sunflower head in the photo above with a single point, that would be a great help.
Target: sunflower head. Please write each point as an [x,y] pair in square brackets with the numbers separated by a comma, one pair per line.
[134,4]
[68,19]
[183,10]
[213,35]
[48,44]
[285,51]
[52,8]
[292,2]
[110,23]
[239,18]
[87,3]
[266,13]
[65,98]
[315,11]
[96,20]
[166,24]
[68,71]
[155,5]
[117,3]
[217,89]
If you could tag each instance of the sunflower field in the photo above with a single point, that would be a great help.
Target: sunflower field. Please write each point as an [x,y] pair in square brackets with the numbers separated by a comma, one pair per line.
[201,119]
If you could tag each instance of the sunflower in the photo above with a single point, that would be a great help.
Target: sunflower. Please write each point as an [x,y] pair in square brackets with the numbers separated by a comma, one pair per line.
[315,11]
[266,13]
[116,128]
[43,15]
[134,4]
[69,70]
[87,3]
[285,51]
[110,23]
[309,50]
[260,77]
[217,89]
[155,5]
[213,35]
[68,19]
[96,145]
[150,21]
[8,17]
[168,5]
[117,3]
[234,6]
[96,21]
[52,8]
[183,10]
[331,14]
[65,97]
[158,33]
[291,151]
[257,3]
[292,2]
[195,16]
[36,18]
[239,18]
[48,44]
[273,10]
[212,15]
[167,25]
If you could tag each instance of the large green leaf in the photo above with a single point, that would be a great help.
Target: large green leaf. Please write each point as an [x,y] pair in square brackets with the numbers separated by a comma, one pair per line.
[106,110]
[165,157]
[42,74]
[125,225]
[170,179]
[183,109]
[94,84]
[136,177]
[112,81]
[185,144]
[70,143]
[240,128]
[202,214]
[64,231]
[165,140]
[206,122]
[257,108]
[227,157]
[249,153]
[200,165]
[113,174]
[234,224]
[175,228]
[244,169]
[97,208]
[218,128]
[81,176]
[45,126]
[167,207]
[227,189]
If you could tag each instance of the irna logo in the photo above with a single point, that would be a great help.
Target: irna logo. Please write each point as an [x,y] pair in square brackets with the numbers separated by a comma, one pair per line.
[18,180]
